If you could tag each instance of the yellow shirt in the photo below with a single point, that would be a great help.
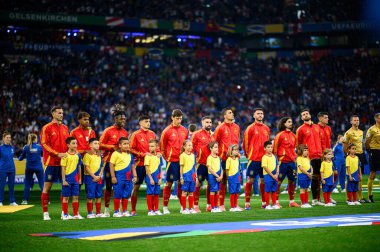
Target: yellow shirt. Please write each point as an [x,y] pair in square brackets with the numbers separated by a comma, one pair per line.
[214,163]
[269,162]
[304,162]
[326,168]
[121,160]
[232,165]
[188,162]
[153,163]
[373,133]
[94,161]
[352,163]
[355,137]
[71,162]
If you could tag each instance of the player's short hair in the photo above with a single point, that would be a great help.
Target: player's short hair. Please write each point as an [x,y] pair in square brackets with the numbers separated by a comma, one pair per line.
[83,114]
[377,115]
[267,143]
[92,140]
[153,141]
[281,123]
[121,139]
[321,114]
[224,111]
[69,140]
[177,113]
[6,133]
[301,148]
[305,110]
[192,127]
[206,117]
[54,108]
[211,144]
[117,110]
[258,109]
[351,117]
[143,117]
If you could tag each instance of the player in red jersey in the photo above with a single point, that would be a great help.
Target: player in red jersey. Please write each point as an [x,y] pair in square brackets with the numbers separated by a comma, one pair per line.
[109,143]
[139,146]
[53,141]
[83,133]
[200,139]
[308,134]
[255,136]
[225,134]
[284,149]
[172,139]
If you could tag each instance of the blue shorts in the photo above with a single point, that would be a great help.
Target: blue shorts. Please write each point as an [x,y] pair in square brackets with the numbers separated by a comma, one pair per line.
[70,190]
[352,186]
[202,173]
[214,185]
[172,171]
[141,173]
[152,189]
[123,189]
[329,185]
[270,184]
[188,186]
[53,174]
[304,183]
[288,170]
[254,168]
[234,188]
[93,189]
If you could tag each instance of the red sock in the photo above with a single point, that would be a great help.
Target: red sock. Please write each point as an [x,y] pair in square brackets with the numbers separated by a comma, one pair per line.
[329,196]
[65,207]
[232,200]
[307,197]
[98,207]
[208,195]
[248,192]
[262,192]
[196,195]
[355,196]
[302,197]
[222,193]
[134,202]
[191,202]
[212,200]
[75,208]
[325,197]
[274,198]
[291,190]
[350,194]
[149,202]
[278,191]
[183,202]
[156,201]
[236,199]
[107,198]
[124,204]
[116,205]
[44,202]
[89,207]
[266,198]
[216,199]
[166,196]
[179,192]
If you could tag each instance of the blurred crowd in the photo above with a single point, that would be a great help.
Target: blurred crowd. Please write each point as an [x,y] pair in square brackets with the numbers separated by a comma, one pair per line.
[219,11]
[94,82]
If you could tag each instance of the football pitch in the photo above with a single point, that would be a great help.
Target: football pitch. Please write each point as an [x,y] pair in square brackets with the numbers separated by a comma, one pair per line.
[17,227]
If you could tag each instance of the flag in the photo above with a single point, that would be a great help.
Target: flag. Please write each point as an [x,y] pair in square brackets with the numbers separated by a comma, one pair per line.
[148,23]
[228,28]
[181,25]
[255,29]
[114,21]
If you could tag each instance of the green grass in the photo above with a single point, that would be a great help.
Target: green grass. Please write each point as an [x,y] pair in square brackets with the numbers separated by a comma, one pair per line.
[16,227]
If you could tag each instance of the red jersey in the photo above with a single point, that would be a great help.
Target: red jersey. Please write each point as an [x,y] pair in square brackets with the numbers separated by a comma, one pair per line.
[325,135]
[110,139]
[310,136]
[53,141]
[284,146]
[83,136]
[226,134]
[139,144]
[200,139]
[172,139]
[254,138]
